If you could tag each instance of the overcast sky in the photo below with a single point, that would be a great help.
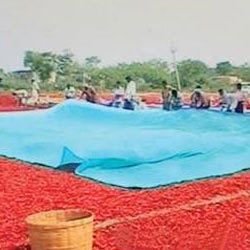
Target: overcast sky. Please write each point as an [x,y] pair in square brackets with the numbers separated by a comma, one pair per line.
[126,30]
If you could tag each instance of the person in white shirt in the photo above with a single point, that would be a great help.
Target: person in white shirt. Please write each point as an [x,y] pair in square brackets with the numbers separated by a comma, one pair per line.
[240,97]
[34,92]
[22,96]
[227,101]
[130,93]
[69,92]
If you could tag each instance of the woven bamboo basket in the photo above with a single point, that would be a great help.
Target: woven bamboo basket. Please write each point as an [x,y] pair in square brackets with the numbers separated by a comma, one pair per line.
[61,230]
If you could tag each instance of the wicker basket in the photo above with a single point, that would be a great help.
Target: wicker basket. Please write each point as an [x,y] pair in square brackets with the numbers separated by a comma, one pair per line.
[61,230]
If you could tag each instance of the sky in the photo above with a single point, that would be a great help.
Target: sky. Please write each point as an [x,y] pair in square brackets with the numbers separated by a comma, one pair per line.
[126,30]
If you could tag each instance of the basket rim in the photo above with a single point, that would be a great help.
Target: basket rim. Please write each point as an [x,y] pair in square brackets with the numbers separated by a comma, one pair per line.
[87,219]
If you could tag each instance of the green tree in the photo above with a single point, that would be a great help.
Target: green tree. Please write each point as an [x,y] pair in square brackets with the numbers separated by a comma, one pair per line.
[243,72]
[1,73]
[147,74]
[41,63]
[224,68]
[46,63]
[192,72]
[92,62]
[66,64]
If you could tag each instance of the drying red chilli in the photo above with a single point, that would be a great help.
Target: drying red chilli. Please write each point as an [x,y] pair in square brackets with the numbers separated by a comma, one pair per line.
[209,214]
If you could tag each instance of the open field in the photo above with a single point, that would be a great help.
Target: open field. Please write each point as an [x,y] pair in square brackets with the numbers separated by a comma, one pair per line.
[212,214]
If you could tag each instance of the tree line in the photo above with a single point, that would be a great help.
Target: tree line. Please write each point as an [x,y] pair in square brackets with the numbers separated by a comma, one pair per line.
[148,75]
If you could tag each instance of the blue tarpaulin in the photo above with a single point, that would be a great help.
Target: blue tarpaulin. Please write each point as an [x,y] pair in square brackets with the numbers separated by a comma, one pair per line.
[143,148]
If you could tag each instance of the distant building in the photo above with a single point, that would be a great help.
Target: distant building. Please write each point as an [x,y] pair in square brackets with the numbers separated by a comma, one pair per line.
[246,87]
[26,74]
[231,80]
[23,73]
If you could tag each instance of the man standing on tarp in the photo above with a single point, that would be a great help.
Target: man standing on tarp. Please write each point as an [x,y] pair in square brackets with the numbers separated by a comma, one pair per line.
[130,93]
[35,91]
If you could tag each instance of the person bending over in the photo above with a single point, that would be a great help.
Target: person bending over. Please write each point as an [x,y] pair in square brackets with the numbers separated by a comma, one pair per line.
[22,95]
[226,101]
[175,102]
[194,97]
[89,94]
[199,99]
[118,96]
[69,92]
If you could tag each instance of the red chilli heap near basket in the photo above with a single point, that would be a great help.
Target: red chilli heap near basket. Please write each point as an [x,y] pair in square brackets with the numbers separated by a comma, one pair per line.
[61,230]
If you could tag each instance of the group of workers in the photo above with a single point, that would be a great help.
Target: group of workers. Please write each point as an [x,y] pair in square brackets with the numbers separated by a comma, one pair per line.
[26,98]
[229,102]
[127,98]
[172,100]
[88,93]
[233,102]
